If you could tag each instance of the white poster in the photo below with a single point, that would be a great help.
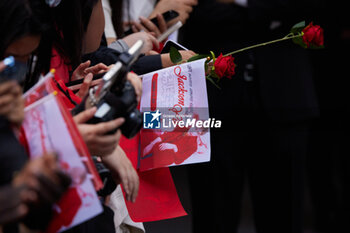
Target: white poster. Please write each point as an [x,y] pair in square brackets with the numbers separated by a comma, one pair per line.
[176,117]
[46,131]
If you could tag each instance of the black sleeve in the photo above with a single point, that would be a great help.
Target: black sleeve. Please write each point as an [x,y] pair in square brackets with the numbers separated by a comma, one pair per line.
[146,64]
[103,55]
[110,56]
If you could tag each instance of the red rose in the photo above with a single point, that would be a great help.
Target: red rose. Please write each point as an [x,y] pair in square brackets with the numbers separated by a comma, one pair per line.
[313,35]
[224,66]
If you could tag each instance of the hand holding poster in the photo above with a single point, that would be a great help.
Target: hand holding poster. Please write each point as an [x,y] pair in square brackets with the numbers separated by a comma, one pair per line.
[170,97]
[48,127]
[176,117]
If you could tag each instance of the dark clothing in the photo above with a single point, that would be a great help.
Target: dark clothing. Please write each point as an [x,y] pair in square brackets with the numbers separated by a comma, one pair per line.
[284,70]
[12,159]
[108,56]
[265,111]
[101,223]
[328,161]
[266,154]
[12,154]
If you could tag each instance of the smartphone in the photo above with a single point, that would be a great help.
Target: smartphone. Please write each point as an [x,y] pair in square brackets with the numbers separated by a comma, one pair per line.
[15,70]
[169,15]
[170,43]
[76,84]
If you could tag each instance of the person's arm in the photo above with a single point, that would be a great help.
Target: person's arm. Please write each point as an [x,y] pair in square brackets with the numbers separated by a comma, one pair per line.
[123,172]
[166,61]
[110,33]
[146,64]
[95,28]
[126,42]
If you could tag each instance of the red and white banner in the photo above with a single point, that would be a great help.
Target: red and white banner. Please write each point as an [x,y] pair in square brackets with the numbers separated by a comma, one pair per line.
[49,127]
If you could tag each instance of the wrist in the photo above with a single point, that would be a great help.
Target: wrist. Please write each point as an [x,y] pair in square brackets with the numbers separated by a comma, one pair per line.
[166,62]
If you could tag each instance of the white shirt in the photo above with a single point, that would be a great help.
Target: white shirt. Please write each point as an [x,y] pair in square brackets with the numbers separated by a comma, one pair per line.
[109,29]
[133,9]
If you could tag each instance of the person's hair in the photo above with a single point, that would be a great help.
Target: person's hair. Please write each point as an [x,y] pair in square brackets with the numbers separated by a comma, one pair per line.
[69,30]
[19,19]
[69,21]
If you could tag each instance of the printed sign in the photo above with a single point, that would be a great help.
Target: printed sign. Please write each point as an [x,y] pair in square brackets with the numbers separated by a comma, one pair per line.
[174,100]
[46,130]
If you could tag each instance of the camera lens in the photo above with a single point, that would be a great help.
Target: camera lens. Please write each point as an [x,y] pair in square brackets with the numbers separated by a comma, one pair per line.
[133,124]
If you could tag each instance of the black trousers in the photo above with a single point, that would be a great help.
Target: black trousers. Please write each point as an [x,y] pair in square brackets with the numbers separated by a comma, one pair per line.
[101,223]
[270,155]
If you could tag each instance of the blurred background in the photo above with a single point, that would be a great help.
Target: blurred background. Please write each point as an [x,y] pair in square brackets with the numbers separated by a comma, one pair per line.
[325,181]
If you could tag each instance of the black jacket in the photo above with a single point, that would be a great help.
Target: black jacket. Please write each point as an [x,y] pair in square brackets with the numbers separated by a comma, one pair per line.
[284,72]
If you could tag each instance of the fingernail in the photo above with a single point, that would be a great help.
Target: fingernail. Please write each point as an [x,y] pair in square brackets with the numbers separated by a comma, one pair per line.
[90,77]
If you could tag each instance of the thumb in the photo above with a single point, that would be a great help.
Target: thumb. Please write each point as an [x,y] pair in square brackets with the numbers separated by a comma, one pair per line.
[84,116]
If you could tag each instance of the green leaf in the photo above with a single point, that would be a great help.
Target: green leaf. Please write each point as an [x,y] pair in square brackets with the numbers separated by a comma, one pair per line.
[175,55]
[298,27]
[214,75]
[212,81]
[299,41]
[197,57]
[212,56]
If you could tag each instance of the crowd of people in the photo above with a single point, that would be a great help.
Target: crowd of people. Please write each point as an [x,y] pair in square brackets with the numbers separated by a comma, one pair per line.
[275,110]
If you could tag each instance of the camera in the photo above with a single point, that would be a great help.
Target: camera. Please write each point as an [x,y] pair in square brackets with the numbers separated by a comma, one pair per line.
[108,183]
[115,96]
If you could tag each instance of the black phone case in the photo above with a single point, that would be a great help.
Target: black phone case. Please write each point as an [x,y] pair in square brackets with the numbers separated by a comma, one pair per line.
[80,81]
[169,15]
